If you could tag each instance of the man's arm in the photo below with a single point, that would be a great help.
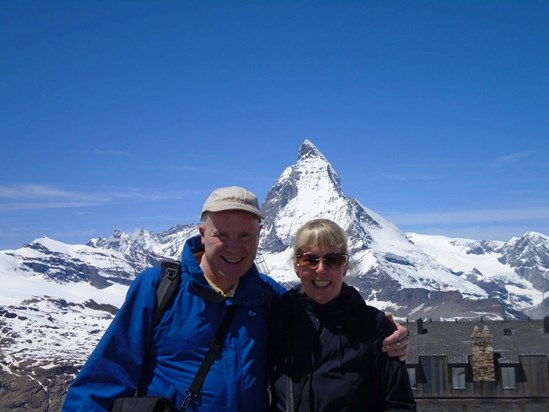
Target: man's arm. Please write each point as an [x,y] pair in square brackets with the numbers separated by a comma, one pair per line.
[114,368]
[396,345]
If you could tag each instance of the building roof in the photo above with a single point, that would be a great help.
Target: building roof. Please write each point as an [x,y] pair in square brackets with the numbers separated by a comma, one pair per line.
[511,339]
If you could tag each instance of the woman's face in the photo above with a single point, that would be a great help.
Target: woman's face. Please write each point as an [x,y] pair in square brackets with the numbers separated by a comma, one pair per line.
[321,278]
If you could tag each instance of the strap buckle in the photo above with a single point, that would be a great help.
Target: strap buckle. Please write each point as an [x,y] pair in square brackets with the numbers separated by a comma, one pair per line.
[188,399]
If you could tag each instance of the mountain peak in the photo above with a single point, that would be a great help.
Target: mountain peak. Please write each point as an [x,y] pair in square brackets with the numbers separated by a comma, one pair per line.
[311,189]
[536,235]
[308,189]
[308,150]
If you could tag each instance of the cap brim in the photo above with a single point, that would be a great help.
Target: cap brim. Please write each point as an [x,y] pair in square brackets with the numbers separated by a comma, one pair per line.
[234,206]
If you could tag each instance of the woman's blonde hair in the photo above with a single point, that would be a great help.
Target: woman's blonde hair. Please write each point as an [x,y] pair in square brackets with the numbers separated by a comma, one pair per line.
[320,233]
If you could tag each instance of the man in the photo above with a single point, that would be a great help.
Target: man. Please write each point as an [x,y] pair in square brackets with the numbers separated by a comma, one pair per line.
[217,272]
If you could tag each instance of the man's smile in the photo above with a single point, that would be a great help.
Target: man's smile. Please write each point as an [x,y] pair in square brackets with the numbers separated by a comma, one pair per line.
[233,261]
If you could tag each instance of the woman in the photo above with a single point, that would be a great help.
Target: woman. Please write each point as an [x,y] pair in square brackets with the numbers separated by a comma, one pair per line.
[326,342]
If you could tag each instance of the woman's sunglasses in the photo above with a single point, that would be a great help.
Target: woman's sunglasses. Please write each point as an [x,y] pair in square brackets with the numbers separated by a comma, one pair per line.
[331,260]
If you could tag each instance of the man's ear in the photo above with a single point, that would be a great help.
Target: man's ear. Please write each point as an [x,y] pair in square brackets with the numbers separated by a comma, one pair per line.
[201,230]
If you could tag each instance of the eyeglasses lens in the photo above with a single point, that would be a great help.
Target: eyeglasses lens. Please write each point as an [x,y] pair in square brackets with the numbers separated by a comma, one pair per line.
[331,260]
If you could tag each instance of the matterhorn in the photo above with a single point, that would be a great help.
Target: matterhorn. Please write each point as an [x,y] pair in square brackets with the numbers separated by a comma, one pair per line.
[57,299]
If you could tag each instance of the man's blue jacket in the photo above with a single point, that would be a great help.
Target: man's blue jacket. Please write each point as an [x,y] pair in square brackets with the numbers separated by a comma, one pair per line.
[237,379]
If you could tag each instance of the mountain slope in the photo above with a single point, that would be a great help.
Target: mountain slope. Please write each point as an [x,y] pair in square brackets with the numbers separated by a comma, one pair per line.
[57,299]
[390,270]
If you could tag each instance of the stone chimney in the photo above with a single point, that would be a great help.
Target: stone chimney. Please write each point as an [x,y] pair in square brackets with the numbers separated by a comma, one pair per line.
[420,329]
[420,326]
[483,355]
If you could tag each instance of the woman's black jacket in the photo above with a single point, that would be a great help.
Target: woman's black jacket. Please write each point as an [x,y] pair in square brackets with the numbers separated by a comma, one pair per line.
[328,358]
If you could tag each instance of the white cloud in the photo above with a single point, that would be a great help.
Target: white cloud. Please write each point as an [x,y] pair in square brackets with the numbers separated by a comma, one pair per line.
[30,191]
[32,197]
[514,157]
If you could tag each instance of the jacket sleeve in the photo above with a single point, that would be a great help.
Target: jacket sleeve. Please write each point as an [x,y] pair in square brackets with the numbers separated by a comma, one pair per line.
[276,289]
[115,367]
[394,380]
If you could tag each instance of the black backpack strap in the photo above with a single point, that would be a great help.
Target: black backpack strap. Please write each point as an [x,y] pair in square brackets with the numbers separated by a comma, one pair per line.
[215,345]
[170,278]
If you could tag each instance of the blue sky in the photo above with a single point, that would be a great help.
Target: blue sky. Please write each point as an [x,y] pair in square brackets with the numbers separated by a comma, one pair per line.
[126,114]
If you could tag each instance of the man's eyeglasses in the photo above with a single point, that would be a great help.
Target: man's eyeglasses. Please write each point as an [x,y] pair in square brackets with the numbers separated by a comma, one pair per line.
[331,260]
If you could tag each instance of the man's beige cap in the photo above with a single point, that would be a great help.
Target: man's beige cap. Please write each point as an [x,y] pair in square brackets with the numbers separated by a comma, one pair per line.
[232,198]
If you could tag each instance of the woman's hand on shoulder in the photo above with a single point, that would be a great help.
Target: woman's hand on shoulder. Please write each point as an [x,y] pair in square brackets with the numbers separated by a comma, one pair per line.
[396,345]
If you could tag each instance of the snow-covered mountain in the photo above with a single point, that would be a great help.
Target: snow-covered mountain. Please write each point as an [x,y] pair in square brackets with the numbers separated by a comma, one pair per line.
[514,272]
[56,299]
[411,275]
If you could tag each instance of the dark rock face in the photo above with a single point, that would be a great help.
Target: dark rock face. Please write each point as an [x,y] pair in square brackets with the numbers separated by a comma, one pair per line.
[277,198]
[34,388]
[529,255]
[44,341]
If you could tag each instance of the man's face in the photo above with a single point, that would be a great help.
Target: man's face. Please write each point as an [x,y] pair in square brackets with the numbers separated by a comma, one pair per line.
[230,240]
